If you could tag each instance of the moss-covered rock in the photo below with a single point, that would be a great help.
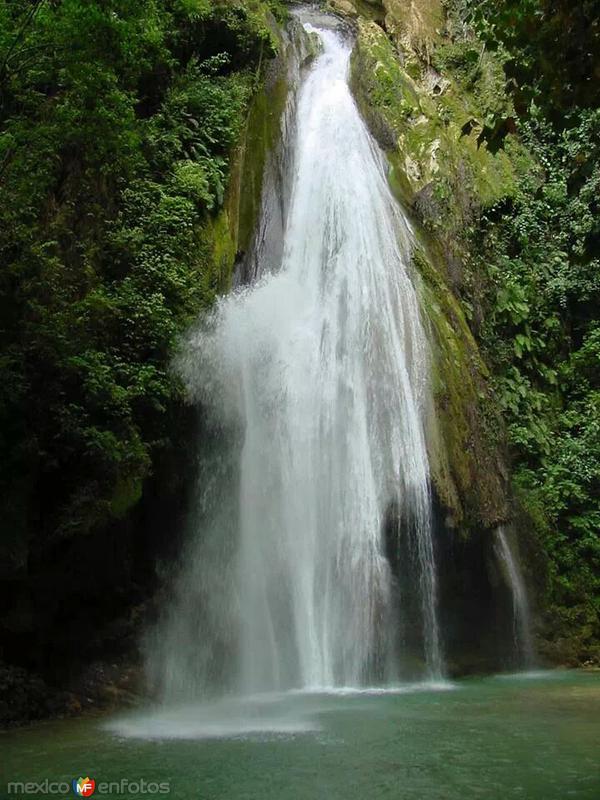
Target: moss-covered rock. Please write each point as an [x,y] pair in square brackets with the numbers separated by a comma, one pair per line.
[464,441]
[261,136]
[414,25]
[432,124]
[345,7]
[412,86]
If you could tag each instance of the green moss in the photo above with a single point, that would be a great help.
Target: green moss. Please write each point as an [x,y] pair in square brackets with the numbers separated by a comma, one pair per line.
[432,122]
[443,174]
[221,246]
[127,493]
[462,440]
[370,9]
[387,95]
[261,136]
[231,232]
[427,104]
[414,24]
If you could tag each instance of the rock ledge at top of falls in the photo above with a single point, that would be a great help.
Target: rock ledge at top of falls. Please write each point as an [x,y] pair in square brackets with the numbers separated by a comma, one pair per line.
[409,77]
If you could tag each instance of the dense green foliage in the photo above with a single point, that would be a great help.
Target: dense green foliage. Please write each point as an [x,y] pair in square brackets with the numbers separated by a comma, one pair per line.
[541,328]
[550,49]
[117,122]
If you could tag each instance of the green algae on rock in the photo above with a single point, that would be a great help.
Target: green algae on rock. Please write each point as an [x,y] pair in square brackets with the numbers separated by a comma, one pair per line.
[441,172]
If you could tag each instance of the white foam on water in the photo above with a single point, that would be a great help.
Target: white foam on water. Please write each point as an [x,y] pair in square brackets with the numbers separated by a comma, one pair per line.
[408,688]
[228,718]
[263,714]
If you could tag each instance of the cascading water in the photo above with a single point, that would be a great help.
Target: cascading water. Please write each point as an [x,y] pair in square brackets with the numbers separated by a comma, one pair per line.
[322,365]
[521,616]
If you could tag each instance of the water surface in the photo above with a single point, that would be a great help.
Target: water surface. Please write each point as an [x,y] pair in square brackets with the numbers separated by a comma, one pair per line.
[523,736]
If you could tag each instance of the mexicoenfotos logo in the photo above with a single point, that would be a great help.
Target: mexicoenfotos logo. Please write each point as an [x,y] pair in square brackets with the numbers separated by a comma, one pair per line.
[84,787]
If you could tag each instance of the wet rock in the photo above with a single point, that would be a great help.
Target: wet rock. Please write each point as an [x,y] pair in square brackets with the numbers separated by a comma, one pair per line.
[25,696]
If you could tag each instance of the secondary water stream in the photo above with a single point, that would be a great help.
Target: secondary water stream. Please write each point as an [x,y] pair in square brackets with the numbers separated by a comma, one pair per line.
[521,617]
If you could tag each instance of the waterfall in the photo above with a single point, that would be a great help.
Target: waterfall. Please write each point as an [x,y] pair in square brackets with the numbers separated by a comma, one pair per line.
[521,616]
[319,372]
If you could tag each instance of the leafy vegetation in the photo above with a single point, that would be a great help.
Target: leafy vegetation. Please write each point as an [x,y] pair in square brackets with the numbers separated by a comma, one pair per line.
[541,326]
[550,50]
[117,123]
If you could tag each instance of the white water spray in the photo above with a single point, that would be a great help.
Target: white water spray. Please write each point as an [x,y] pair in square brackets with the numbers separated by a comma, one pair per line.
[323,366]
[521,616]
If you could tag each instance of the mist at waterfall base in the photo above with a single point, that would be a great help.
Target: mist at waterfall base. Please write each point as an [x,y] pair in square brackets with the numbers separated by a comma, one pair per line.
[313,477]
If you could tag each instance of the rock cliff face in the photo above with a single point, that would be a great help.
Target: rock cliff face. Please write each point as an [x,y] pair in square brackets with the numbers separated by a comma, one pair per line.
[430,128]
[412,79]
